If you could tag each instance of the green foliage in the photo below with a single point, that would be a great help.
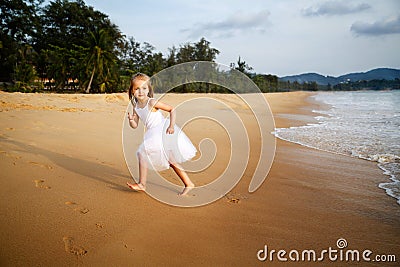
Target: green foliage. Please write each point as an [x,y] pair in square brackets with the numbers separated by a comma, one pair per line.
[140,58]
[200,51]
[99,60]
[344,86]
[24,71]
[74,46]
[18,23]
[369,85]
[69,23]
[266,83]
[242,67]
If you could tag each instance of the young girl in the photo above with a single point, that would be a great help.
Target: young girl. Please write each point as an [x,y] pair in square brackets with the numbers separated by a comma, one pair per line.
[164,145]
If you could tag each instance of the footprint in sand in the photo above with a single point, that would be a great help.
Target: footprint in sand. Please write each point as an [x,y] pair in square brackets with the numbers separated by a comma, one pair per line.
[13,156]
[114,98]
[39,184]
[235,198]
[74,99]
[80,209]
[126,246]
[41,165]
[72,248]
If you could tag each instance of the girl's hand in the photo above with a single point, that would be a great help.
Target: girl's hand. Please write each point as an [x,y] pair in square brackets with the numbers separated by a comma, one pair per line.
[133,120]
[170,130]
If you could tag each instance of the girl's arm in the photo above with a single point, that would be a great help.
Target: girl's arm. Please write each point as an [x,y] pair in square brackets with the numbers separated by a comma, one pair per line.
[167,108]
[133,119]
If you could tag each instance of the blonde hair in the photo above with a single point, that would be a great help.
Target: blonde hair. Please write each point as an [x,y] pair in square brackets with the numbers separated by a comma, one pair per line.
[141,77]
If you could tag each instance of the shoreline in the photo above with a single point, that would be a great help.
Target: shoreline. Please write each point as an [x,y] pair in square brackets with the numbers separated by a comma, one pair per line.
[381,165]
[63,186]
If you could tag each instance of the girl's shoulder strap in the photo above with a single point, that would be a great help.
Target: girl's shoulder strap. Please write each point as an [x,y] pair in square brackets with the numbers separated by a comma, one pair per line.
[135,104]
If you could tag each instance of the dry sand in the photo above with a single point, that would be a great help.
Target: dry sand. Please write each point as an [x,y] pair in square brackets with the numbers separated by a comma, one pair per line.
[64,200]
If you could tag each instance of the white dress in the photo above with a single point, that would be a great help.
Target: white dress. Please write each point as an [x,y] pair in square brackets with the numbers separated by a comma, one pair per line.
[159,148]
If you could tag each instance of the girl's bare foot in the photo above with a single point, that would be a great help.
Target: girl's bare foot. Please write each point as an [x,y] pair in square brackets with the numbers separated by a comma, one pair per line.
[136,187]
[186,190]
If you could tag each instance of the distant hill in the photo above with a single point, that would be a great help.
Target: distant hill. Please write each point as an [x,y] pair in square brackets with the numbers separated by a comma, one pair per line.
[375,74]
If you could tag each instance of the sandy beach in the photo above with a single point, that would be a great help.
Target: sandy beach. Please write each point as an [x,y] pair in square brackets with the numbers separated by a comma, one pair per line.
[64,199]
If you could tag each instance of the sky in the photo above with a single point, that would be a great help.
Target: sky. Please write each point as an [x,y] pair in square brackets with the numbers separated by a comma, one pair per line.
[286,37]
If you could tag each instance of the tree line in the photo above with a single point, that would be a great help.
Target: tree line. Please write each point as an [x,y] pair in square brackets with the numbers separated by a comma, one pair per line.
[67,46]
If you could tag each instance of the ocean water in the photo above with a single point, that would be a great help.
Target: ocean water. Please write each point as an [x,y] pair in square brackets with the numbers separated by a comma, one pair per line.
[363,124]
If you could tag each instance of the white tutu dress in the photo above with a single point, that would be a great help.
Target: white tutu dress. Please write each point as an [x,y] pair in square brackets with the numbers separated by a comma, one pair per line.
[158,147]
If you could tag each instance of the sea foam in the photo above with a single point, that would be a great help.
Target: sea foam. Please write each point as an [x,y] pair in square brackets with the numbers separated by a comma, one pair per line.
[363,124]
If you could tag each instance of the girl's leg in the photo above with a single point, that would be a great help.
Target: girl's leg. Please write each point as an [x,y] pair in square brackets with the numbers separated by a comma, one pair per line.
[141,186]
[142,170]
[189,185]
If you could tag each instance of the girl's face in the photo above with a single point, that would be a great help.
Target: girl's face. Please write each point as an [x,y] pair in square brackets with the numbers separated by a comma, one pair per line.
[140,89]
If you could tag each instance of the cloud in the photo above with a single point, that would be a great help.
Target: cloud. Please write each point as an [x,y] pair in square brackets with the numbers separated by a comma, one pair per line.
[381,27]
[330,8]
[238,22]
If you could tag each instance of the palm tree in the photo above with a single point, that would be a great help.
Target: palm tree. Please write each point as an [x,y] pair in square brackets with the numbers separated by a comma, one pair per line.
[100,57]
[24,71]
[58,68]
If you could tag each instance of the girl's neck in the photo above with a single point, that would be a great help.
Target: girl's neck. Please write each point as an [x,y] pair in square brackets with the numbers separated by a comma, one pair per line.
[143,102]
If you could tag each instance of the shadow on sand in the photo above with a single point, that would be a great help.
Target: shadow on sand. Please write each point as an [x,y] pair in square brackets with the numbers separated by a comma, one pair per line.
[92,170]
